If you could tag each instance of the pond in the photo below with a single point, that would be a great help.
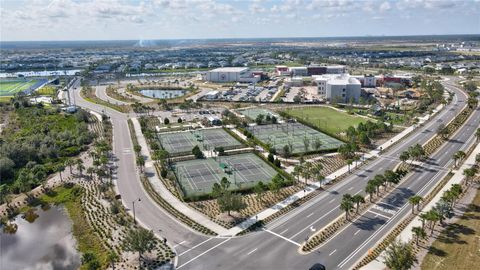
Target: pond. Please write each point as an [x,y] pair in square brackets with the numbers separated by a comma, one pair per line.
[47,243]
[163,93]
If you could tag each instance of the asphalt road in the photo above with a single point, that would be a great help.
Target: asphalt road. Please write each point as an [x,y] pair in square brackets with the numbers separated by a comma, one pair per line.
[277,246]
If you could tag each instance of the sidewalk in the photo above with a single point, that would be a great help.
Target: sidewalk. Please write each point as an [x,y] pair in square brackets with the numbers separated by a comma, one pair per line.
[163,191]
[407,235]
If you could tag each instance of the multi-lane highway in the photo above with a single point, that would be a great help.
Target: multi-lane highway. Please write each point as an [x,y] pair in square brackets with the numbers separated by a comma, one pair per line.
[277,246]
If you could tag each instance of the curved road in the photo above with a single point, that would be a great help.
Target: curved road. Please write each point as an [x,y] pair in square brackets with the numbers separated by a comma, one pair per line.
[277,246]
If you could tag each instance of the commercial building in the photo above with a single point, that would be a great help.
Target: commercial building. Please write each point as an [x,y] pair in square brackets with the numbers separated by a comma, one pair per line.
[335,69]
[298,71]
[282,70]
[309,70]
[231,74]
[368,80]
[338,87]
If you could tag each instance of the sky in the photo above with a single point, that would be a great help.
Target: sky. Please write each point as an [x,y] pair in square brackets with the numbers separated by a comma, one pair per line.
[25,20]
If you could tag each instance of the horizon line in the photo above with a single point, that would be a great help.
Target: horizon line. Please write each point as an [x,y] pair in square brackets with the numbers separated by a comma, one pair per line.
[240,38]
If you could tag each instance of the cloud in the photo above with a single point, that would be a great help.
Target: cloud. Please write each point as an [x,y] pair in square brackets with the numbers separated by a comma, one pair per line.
[385,6]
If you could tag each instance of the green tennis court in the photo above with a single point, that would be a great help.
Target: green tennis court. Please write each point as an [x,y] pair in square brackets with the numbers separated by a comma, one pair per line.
[294,135]
[182,142]
[11,87]
[196,177]
[252,113]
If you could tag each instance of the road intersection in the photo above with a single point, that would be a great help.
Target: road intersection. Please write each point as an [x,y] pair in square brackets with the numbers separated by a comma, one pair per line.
[276,246]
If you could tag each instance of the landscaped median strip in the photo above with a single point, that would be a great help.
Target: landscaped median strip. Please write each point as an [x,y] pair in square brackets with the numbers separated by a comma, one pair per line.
[404,230]
[329,230]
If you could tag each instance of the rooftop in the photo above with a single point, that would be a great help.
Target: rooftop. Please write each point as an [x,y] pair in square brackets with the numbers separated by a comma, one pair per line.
[230,69]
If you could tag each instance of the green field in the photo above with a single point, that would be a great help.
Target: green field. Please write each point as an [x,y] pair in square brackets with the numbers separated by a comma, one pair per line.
[11,87]
[326,119]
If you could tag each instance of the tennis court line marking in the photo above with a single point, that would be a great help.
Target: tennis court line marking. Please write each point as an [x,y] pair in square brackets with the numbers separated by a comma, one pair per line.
[284,238]
[203,253]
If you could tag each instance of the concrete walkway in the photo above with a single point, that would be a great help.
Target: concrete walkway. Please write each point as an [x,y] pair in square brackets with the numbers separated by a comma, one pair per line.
[163,191]
[407,235]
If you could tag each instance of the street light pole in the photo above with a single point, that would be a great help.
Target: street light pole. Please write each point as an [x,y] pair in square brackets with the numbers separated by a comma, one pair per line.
[133,209]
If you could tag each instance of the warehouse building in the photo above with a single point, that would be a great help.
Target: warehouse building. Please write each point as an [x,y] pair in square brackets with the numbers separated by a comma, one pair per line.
[231,74]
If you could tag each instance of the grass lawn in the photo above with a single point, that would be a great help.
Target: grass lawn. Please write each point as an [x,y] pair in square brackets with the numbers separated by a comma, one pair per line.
[11,87]
[458,247]
[326,119]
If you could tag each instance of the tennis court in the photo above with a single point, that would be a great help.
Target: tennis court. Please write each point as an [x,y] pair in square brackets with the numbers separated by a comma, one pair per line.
[11,87]
[252,113]
[293,135]
[182,142]
[196,177]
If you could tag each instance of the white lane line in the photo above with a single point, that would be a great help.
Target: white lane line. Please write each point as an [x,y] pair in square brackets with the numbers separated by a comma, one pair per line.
[356,232]
[284,231]
[377,214]
[310,215]
[311,224]
[350,188]
[283,237]
[383,226]
[331,200]
[195,246]
[331,253]
[179,244]
[387,204]
[252,251]
[357,192]
[203,253]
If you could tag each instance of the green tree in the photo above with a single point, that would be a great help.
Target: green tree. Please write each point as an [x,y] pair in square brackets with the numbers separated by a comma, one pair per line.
[317,144]
[259,190]
[399,256]
[415,201]
[197,152]
[370,188]
[112,259]
[419,233]
[230,202]
[346,205]
[404,156]
[140,240]
[358,199]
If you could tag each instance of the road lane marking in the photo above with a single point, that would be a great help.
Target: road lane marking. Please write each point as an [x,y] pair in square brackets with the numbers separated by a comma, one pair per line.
[179,244]
[310,215]
[283,237]
[357,192]
[356,232]
[377,214]
[284,231]
[311,224]
[203,253]
[252,251]
[331,253]
[387,204]
[195,246]
[332,200]
[350,188]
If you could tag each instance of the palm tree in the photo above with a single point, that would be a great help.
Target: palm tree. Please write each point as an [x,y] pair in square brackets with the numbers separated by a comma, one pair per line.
[391,177]
[90,171]
[346,205]
[358,199]
[415,201]
[60,169]
[423,217]
[459,155]
[469,174]
[70,162]
[349,162]
[370,189]
[419,232]
[297,171]
[80,166]
[433,217]
[379,180]
[477,134]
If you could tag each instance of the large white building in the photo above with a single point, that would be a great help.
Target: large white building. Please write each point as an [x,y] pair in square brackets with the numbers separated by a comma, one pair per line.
[338,87]
[231,74]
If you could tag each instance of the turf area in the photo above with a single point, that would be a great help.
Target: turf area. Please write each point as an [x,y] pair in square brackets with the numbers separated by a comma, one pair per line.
[11,87]
[207,139]
[196,177]
[326,119]
[294,135]
[458,247]
[252,113]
